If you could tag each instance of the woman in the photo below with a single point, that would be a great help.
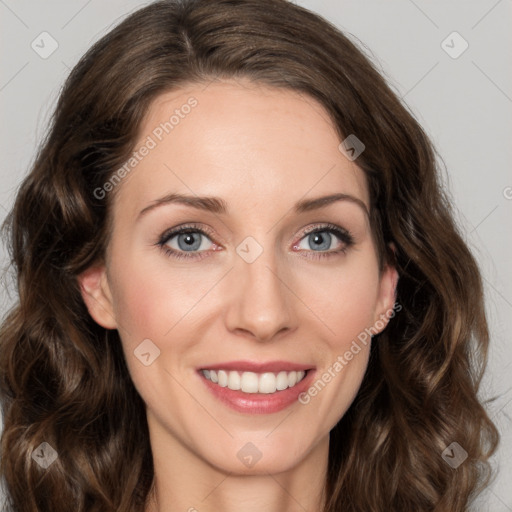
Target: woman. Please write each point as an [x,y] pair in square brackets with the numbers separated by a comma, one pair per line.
[240,283]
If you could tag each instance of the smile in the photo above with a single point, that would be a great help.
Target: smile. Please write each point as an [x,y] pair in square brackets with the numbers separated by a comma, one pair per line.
[251,382]
[257,387]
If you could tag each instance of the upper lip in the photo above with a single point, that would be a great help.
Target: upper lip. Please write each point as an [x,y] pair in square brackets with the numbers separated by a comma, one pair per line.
[258,367]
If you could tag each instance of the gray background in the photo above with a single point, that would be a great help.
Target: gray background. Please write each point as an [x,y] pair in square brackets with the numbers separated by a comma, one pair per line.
[464,103]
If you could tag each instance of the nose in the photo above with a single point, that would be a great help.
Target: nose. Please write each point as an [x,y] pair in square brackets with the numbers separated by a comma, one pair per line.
[262,301]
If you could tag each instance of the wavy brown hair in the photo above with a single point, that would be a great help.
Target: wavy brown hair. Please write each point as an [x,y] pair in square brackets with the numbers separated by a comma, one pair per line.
[64,379]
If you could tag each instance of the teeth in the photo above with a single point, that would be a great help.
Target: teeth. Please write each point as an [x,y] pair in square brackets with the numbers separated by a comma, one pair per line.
[282,381]
[234,381]
[267,383]
[223,378]
[250,382]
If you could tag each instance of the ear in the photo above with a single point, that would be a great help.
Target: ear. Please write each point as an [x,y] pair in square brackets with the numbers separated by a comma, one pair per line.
[385,307]
[97,296]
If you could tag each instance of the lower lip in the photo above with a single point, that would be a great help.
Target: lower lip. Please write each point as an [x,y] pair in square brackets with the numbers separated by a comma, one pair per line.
[259,403]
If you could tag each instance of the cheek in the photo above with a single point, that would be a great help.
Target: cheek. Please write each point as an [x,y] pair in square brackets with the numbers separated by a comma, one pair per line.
[343,298]
[135,303]
[346,309]
[152,306]
[156,302]
[147,294]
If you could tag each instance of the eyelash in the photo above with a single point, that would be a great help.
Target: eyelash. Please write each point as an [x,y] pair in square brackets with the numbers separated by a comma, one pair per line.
[342,234]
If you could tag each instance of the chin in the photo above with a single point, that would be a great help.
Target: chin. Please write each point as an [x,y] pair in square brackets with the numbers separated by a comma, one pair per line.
[260,457]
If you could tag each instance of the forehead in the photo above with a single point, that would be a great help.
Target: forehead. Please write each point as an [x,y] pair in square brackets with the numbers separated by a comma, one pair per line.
[245,142]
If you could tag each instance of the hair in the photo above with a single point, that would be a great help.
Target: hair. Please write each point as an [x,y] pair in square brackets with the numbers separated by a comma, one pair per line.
[64,379]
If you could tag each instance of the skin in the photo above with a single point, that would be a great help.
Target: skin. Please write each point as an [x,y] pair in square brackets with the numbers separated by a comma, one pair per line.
[261,150]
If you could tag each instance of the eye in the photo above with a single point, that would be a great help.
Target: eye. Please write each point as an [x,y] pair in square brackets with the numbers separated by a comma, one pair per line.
[186,242]
[190,241]
[326,240]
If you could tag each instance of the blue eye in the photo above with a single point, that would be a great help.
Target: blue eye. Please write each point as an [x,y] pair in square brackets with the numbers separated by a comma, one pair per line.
[190,241]
[321,239]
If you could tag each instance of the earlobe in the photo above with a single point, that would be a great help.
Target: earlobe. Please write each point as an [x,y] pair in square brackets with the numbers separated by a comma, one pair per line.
[96,294]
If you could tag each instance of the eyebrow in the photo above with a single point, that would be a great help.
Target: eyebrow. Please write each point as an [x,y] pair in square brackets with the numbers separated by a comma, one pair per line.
[219,206]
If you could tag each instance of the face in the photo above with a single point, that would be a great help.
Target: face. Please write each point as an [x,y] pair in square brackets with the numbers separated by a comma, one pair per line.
[266,284]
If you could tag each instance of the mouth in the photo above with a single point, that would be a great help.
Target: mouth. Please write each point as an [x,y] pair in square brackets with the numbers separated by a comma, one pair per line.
[251,382]
[257,387]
